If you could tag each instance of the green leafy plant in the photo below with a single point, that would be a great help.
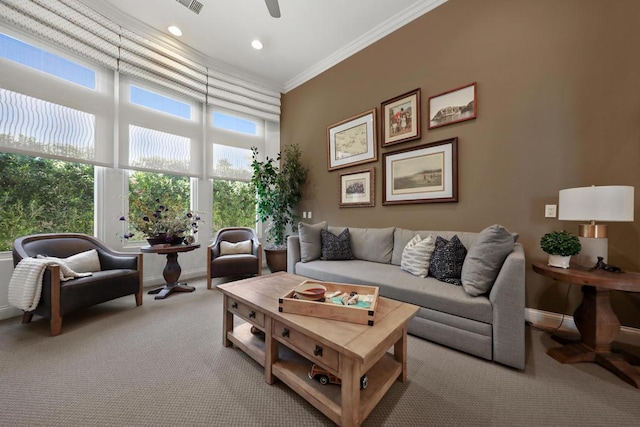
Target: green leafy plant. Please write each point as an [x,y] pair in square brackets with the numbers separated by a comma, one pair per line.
[560,243]
[278,190]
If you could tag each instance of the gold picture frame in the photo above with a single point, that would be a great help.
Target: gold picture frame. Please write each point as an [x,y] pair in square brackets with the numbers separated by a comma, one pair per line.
[401,118]
[358,189]
[352,141]
[424,174]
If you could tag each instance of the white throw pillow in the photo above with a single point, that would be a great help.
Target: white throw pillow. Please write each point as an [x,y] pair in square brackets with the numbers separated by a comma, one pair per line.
[228,248]
[83,262]
[416,256]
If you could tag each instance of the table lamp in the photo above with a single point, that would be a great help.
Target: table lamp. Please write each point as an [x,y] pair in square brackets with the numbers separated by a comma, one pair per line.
[611,203]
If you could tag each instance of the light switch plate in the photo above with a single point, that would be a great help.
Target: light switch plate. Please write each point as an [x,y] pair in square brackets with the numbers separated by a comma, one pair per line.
[550,211]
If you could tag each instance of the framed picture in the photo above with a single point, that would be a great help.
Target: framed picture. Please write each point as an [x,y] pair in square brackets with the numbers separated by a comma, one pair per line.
[357,189]
[401,118]
[423,174]
[454,106]
[352,141]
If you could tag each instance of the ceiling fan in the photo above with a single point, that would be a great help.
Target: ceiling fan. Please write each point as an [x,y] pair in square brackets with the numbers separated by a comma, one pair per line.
[274,8]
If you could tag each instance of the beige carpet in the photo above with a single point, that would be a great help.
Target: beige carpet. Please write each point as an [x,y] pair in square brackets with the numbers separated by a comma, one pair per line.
[163,364]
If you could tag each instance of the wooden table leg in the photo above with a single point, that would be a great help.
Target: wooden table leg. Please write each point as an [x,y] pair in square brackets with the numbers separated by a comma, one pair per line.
[350,372]
[271,351]
[400,354]
[227,322]
[598,326]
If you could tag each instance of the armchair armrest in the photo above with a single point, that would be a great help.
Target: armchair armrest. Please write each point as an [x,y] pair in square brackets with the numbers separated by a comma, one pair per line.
[111,260]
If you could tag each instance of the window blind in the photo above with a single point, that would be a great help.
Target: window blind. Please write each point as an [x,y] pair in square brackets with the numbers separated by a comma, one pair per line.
[75,26]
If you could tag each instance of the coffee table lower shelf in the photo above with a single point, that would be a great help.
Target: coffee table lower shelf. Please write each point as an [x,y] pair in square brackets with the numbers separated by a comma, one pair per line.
[292,369]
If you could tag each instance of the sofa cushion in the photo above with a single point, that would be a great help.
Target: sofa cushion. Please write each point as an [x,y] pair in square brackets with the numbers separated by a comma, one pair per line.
[417,255]
[310,240]
[484,259]
[401,237]
[83,262]
[229,248]
[336,247]
[447,260]
[370,244]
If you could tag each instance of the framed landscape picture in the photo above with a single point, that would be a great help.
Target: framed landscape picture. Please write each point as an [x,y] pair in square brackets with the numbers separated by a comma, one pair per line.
[352,141]
[456,105]
[423,174]
[401,118]
[357,189]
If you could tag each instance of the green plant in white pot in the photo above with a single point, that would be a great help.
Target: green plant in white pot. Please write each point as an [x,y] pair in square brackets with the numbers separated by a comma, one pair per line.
[560,245]
[278,189]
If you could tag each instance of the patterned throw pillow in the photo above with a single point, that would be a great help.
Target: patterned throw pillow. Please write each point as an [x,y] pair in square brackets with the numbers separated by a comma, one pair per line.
[447,260]
[336,247]
[417,255]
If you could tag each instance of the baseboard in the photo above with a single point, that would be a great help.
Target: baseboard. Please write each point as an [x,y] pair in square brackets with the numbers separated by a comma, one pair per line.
[7,312]
[550,320]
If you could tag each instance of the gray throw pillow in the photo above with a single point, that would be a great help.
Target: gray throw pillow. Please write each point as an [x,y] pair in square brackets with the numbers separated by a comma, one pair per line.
[310,242]
[485,258]
[336,247]
[447,260]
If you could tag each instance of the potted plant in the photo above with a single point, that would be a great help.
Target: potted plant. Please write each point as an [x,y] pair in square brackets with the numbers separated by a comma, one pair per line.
[163,224]
[278,189]
[560,245]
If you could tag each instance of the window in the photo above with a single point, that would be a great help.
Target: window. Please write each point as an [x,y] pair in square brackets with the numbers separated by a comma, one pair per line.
[40,195]
[147,190]
[233,204]
[231,162]
[152,149]
[234,123]
[38,59]
[155,101]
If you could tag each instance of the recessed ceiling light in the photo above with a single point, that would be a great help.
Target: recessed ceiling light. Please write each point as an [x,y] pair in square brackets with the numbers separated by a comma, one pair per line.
[256,44]
[175,31]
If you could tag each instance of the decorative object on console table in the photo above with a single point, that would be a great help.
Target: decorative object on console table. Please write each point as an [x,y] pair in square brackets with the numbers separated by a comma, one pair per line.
[424,174]
[401,118]
[352,141]
[596,321]
[456,105]
[278,190]
[561,246]
[612,203]
[357,189]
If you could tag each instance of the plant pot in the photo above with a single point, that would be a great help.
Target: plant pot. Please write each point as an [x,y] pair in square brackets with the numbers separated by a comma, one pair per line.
[163,239]
[559,261]
[276,259]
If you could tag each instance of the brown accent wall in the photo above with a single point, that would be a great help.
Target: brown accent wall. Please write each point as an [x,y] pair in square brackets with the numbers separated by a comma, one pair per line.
[558,107]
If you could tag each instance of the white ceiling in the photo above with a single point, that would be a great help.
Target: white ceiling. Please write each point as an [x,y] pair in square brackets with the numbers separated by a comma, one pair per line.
[309,37]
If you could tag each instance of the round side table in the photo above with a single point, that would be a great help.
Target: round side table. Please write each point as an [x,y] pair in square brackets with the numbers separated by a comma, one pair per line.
[172,270]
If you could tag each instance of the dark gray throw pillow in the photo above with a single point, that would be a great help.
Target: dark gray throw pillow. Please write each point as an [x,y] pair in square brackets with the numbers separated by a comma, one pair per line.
[336,247]
[447,260]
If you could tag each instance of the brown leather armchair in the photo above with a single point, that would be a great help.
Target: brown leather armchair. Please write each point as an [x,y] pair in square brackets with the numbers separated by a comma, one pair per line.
[120,275]
[231,265]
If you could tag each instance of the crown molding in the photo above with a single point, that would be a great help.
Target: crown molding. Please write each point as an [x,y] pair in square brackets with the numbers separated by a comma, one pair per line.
[392,24]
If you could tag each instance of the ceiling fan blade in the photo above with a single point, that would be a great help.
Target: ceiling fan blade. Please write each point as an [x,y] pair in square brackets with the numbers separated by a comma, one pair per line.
[274,8]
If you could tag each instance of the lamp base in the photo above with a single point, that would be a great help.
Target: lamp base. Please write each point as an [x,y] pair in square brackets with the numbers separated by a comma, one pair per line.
[591,250]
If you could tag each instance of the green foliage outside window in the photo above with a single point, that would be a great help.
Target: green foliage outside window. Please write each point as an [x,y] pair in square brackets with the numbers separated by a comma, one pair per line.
[40,195]
[145,188]
[233,204]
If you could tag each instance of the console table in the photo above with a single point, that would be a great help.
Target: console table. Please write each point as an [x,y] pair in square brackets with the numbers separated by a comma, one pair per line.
[172,270]
[597,323]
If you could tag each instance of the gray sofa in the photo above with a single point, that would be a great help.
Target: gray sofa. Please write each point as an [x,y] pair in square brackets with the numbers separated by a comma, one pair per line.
[490,326]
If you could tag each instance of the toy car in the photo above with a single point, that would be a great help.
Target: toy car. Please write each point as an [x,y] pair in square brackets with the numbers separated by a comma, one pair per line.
[324,377]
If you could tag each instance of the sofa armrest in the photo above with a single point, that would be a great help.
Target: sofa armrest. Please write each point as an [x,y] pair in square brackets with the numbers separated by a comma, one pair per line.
[110,260]
[507,297]
[293,253]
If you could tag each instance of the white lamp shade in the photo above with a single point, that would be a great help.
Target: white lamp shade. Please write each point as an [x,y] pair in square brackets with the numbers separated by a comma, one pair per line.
[603,203]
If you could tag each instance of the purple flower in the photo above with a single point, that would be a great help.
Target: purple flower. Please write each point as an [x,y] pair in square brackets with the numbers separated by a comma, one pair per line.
[189,214]
[122,218]
[145,218]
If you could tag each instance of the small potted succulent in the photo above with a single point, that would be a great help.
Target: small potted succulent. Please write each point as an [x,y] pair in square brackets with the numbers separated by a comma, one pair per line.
[560,245]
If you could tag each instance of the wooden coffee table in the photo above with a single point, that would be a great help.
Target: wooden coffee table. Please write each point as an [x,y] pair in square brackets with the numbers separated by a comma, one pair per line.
[292,343]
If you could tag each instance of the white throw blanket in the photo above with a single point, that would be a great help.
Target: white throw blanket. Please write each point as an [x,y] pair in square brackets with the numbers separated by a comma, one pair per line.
[25,286]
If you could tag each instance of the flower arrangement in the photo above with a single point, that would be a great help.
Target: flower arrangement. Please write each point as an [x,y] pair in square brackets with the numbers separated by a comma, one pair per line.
[162,223]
